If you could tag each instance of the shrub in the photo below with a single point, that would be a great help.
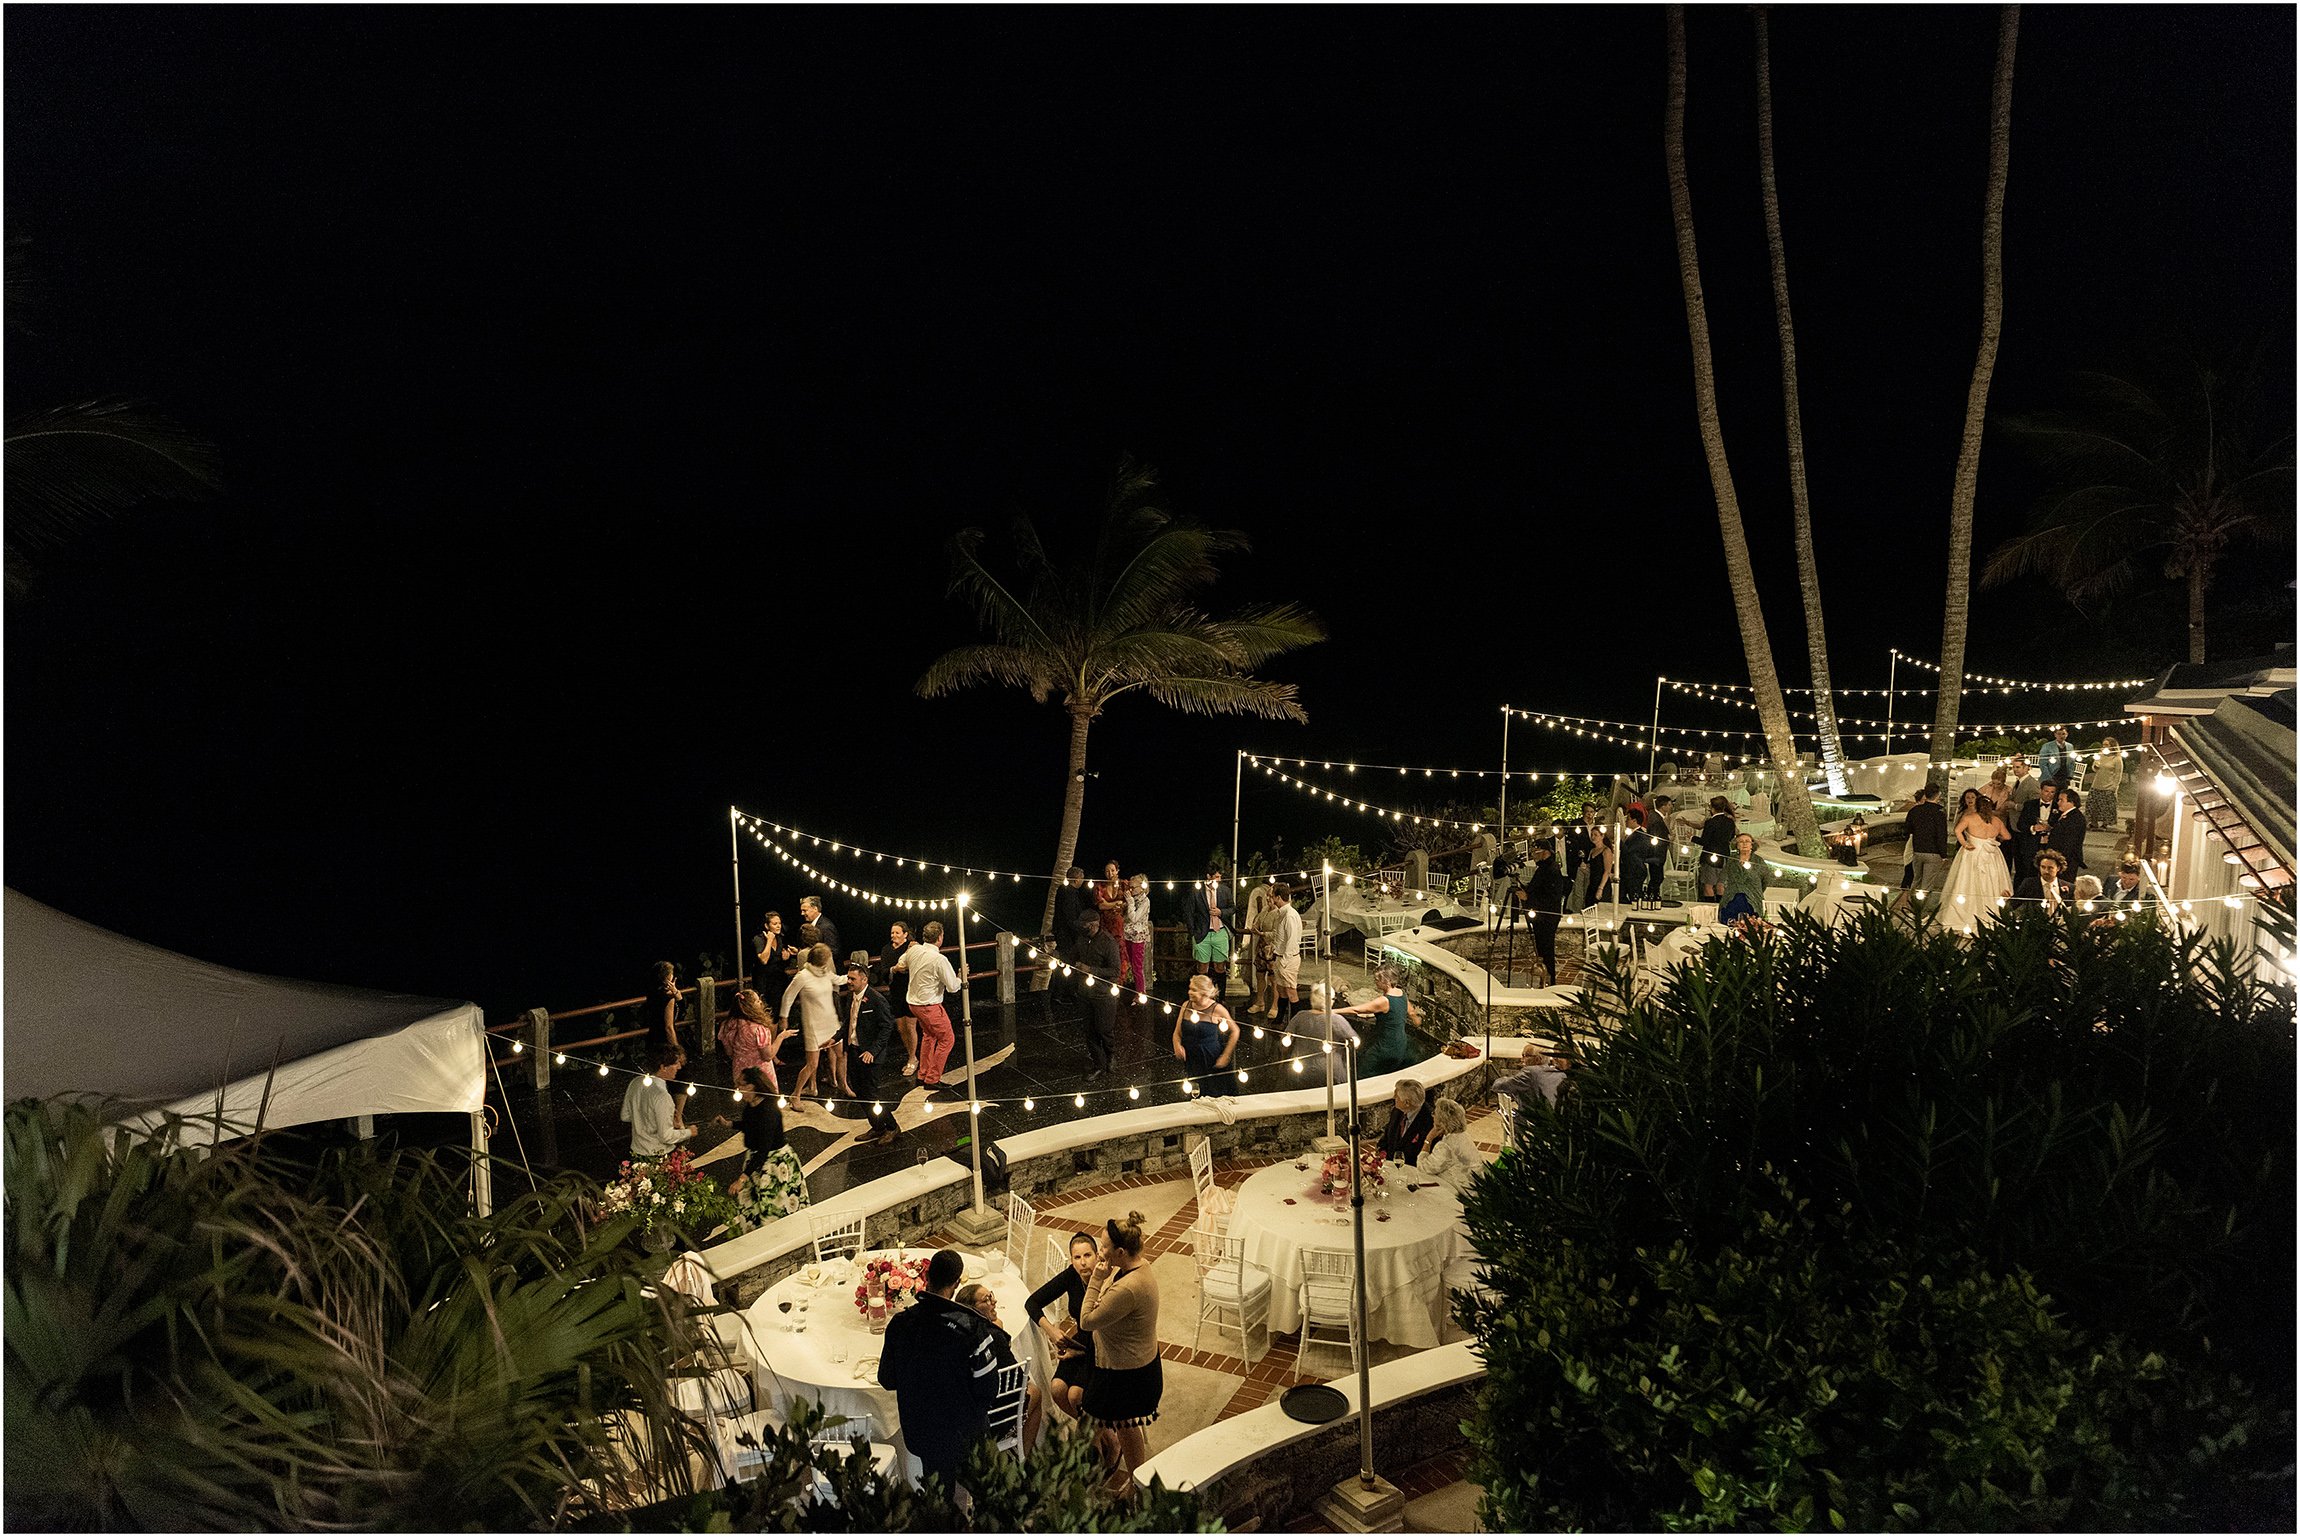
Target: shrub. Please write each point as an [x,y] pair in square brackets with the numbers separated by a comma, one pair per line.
[1881,1229]
[249,1339]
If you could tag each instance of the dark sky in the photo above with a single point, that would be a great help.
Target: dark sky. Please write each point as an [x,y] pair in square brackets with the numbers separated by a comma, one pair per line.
[596,389]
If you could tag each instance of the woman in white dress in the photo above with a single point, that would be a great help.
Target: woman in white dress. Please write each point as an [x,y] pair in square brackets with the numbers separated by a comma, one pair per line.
[1978,876]
[1451,1155]
[812,1000]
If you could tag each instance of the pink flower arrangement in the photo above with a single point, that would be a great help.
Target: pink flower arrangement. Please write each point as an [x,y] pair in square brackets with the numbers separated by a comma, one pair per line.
[1334,1174]
[903,1279]
[666,1190]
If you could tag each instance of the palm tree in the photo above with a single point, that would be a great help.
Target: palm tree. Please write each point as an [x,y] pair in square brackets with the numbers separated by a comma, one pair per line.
[2148,475]
[1956,605]
[1795,807]
[1808,573]
[1117,620]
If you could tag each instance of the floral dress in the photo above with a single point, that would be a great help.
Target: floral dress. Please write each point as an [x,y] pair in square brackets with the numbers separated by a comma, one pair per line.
[774,1185]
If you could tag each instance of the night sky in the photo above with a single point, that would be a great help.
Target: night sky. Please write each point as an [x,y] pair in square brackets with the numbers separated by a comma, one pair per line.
[596,388]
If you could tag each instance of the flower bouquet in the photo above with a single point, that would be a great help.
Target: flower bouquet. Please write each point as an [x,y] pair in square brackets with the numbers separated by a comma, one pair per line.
[668,1197]
[1334,1174]
[900,1281]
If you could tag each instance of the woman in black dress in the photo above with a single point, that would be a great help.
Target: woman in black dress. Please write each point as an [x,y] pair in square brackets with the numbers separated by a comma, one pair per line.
[660,1012]
[1073,1346]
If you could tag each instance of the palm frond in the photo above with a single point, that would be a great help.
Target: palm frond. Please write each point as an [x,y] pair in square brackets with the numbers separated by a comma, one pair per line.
[1254,635]
[72,464]
[995,605]
[965,666]
[1222,693]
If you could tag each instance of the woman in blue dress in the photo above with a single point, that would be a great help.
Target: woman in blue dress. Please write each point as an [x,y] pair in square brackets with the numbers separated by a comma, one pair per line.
[1384,1017]
[1206,1038]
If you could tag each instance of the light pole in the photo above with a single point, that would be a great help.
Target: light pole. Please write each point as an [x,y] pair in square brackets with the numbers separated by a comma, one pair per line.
[1653,745]
[979,1218]
[1504,813]
[1366,1480]
[735,862]
[1237,801]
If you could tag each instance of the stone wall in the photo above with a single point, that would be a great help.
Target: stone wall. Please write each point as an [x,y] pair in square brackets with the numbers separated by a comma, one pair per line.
[1165,1150]
[1269,1493]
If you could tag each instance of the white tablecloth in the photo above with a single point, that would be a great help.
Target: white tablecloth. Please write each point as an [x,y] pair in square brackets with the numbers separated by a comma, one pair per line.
[1406,1256]
[792,1365]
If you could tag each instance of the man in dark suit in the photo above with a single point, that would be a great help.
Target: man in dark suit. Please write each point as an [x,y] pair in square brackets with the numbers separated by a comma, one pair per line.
[827,932]
[2066,833]
[2048,885]
[2130,890]
[2029,825]
[1928,824]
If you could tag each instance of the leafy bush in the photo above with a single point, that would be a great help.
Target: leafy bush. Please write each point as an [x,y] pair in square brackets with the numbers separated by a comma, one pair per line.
[1055,1489]
[1565,799]
[1885,1230]
[249,1339]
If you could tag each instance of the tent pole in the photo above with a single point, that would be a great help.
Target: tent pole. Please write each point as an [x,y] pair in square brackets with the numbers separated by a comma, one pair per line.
[482,1177]
[1237,802]
[1503,815]
[735,863]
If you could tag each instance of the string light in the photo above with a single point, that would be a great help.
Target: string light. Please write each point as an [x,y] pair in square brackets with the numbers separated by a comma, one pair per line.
[1982,677]
[1530,776]
[1701,691]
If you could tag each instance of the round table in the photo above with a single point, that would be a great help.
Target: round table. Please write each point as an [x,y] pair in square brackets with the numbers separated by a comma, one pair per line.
[1406,1256]
[793,1365]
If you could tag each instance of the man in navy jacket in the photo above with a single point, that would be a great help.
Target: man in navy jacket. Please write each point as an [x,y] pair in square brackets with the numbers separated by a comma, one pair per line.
[940,1361]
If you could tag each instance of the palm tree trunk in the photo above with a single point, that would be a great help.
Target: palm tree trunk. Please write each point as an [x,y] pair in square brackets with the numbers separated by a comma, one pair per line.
[1956,606]
[1795,808]
[1073,809]
[1808,572]
[2198,580]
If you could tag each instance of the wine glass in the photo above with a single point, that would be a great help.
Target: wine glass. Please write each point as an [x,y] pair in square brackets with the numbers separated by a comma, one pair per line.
[785,1306]
[802,1315]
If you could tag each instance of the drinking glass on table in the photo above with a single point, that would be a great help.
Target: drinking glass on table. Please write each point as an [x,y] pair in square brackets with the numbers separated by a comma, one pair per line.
[785,1306]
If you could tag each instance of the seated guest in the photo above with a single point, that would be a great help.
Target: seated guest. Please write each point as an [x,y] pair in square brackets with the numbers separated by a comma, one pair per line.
[978,1299]
[2048,885]
[1537,1077]
[1741,882]
[1451,1156]
[1073,1347]
[941,1363]
[2088,888]
[1409,1124]
[2130,890]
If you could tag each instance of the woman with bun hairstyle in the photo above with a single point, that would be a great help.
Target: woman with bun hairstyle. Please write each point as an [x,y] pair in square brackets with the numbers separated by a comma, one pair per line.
[1122,1314]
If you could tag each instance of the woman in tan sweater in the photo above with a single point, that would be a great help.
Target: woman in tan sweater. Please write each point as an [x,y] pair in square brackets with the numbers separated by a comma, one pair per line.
[1121,1313]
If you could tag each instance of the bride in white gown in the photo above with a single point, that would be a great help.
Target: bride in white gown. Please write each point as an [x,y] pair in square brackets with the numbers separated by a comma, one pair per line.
[1977,875]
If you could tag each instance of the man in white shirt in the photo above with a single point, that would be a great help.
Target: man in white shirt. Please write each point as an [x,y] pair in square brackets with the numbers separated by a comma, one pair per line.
[930,978]
[653,1113]
[1285,951]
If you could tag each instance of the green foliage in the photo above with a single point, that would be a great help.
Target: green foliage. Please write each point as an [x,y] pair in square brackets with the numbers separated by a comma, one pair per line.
[249,1340]
[1886,1230]
[1055,1489]
[1331,850]
[1565,799]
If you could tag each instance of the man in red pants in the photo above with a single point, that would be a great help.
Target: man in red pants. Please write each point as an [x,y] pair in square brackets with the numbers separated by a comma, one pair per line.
[930,980]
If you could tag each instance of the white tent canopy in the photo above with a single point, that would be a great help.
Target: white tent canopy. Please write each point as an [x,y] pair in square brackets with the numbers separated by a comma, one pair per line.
[90,1011]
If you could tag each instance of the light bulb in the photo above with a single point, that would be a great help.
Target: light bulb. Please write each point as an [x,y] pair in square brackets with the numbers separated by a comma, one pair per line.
[1257,1032]
[1034,952]
[1241,1075]
[977,1108]
[782,1103]
[517,1047]
[602,1069]
[1030,1104]
[691,1090]
[1133,1093]
[559,1059]
[1286,1041]
[1078,1100]
[877,1108]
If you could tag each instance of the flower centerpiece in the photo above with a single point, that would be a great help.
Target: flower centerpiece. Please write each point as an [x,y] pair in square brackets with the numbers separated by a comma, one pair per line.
[1334,1174]
[902,1281]
[668,1197]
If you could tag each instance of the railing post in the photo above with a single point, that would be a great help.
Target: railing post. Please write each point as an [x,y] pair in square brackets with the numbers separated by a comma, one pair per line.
[1006,949]
[707,1014]
[539,1046]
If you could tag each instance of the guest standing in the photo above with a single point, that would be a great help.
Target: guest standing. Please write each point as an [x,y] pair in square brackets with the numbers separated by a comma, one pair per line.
[1122,1313]
[1136,944]
[749,1038]
[1545,896]
[811,1001]
[826,932]
[2101,785]
[1206,1038]
[928,979]
[659,1013]
[870,1043]
[1928,826]
[941,1364]
[1386,1016]
[882,977]
[2056,760]
[1098,960]
[772,1184]
[1110,901]
[1070,900]
[1208,925]
[1716,843]
[2065,835]
[1285,954]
